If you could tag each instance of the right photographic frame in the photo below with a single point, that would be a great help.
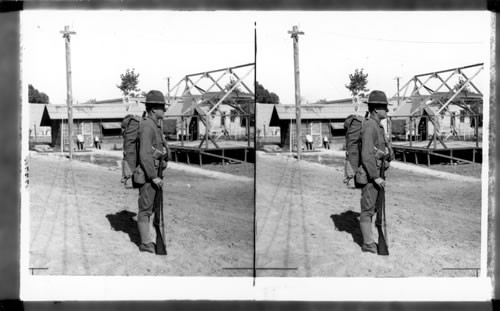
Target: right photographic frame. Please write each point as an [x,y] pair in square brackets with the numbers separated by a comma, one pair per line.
[387,174]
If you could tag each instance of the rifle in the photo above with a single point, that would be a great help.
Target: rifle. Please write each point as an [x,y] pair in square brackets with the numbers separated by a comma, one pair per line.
[382,247]
[158,220]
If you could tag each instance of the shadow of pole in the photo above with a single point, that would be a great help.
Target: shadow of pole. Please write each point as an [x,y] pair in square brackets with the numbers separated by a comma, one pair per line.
[348,222]
[124,221]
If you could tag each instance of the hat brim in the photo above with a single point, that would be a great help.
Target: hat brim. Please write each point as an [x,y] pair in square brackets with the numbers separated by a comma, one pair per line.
[154,103]
[379,103]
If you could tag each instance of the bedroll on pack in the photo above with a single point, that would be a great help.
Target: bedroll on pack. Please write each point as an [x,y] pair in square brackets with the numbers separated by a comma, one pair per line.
[353,126]
[130,132]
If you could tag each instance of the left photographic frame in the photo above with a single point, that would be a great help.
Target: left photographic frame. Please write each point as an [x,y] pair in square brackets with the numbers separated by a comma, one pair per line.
[85,219]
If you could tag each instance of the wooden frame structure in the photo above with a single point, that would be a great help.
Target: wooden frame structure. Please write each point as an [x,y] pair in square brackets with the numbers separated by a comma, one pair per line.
[193,84]
[459,151]
[207,92]
[423,90]
[452,94]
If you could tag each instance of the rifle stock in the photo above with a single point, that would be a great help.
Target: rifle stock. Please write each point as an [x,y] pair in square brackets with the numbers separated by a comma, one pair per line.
[382,247]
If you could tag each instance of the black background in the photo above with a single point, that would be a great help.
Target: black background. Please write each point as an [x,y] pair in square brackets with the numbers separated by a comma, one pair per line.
[11,168]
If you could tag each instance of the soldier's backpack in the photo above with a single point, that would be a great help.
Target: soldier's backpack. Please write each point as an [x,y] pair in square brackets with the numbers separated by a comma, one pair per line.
[133,175]
[353,126]
[130,132]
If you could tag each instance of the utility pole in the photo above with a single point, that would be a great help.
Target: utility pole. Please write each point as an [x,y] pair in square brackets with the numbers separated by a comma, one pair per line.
[295,36]
[66,35]
[168,89]
[397,81]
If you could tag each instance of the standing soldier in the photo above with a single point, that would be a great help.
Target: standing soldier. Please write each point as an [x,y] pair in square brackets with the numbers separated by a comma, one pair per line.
[79,141]
[151,144]
[326,142]
[309,142]
[97,142]
[374,147]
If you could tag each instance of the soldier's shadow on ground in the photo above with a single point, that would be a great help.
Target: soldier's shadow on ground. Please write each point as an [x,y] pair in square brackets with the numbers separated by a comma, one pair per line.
[124,221]
[348,222]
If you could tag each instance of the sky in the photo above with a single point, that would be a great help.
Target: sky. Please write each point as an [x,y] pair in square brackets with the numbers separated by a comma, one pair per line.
[385,44]
[158,44]
[161,44]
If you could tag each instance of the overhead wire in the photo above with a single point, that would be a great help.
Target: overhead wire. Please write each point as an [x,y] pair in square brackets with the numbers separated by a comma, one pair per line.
[350,35]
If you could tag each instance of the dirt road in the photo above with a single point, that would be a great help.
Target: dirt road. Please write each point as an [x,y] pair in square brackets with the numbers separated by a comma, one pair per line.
[83,222]
[307,221]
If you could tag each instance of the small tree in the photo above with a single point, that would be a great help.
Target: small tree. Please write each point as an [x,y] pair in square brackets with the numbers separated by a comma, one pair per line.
[459,84]
[230,85]
[357,83]
[262,95]
[129,82]
[34,96]
[275,99]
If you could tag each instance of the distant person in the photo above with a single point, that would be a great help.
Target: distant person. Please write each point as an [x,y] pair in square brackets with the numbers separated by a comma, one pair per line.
[97,142]
[224,131]
[326,142]
[79,141]
[374,147]
[309,142]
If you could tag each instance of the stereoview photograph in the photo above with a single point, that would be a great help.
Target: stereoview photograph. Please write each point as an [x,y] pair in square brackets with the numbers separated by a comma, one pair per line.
[141,154]
[370,144]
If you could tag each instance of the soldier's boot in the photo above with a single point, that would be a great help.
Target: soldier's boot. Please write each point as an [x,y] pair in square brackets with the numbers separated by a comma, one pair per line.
[147,244]
[368,243]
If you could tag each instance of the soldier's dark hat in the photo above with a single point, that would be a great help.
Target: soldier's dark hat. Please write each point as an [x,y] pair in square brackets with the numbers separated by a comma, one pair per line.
[377,98]
[155,98]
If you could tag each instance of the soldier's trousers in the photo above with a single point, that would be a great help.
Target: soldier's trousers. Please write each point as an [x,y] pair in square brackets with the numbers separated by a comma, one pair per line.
[368,201]
[144,218]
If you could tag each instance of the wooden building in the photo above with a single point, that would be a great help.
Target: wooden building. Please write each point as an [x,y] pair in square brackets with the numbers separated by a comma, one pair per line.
[264,113]
[37,133]
[316,120]
[187,116]
[419,116]
[90,120]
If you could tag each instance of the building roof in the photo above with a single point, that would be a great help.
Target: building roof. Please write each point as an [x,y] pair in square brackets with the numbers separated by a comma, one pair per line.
[185,105]
[315,112]
[35,114]
[90,111]
[209,95]
[414,108]
[264,113]
[445,95]
[345,101]
[120,100]
[406,108]
[182,107]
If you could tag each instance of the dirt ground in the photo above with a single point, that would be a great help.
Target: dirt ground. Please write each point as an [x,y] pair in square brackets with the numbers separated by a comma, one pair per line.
[467,169]
[307,223]
[83,222]
[240,169]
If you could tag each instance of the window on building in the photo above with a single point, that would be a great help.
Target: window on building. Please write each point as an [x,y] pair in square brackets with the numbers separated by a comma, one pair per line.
[233,114]
[223,119]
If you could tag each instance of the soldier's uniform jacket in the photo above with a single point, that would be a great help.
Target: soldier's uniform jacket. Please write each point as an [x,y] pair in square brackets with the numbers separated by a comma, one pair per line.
[150,140]
[372,139]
